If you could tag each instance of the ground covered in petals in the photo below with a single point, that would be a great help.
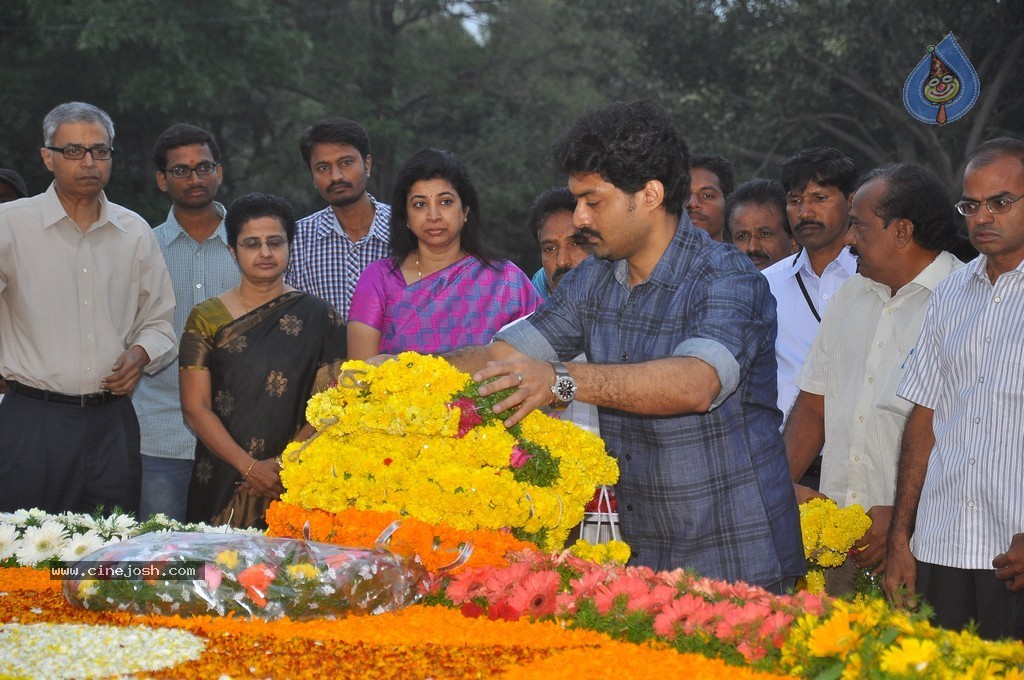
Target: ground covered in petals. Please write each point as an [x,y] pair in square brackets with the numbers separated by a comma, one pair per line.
[418,642]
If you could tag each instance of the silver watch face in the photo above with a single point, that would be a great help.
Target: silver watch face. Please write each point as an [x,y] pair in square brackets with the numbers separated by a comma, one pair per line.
[564,388]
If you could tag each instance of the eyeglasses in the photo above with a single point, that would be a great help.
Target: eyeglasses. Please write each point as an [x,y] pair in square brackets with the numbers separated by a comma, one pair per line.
[996,206]
[184,171]
[272,242]
[73,152]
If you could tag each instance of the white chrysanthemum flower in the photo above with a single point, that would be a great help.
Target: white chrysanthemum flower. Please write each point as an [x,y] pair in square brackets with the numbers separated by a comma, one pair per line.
[19,517]
[40,543]
[88,521]
[8,540]
[81,545]
[123,522]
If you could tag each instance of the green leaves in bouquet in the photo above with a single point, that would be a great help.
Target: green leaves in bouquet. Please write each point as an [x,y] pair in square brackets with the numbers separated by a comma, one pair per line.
[485,405]
[540,468]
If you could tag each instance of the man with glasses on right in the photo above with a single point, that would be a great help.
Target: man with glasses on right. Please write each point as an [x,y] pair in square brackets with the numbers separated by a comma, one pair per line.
[85,307]
[957,532]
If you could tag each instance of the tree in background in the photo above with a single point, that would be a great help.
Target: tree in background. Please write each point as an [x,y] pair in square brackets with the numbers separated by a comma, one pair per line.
[495,81]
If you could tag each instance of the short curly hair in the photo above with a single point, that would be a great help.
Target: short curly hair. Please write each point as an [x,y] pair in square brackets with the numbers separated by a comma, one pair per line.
[554,200]
[629,144]
[253,206]
[821,164]
[759,191]
[915,193]
[721,167]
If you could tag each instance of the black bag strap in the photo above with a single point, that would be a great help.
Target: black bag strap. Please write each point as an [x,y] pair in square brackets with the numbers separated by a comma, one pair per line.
[807,297]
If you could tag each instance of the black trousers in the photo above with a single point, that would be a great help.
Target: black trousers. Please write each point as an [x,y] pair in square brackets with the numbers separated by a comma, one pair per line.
[959,596]
[61,458]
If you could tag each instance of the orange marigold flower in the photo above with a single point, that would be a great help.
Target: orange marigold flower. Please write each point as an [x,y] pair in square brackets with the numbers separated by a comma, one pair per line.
[435,545]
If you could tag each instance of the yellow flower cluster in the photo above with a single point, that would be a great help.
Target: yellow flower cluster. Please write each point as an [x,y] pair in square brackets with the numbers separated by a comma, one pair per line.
[866,635]
[602,553]
[387,441]
[830,531]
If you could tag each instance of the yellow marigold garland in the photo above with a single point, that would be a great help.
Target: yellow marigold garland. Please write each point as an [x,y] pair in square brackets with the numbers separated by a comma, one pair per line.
[398,438]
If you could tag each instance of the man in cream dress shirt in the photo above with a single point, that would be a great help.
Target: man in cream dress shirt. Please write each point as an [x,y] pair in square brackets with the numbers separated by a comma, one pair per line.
[902,225]
[86,306]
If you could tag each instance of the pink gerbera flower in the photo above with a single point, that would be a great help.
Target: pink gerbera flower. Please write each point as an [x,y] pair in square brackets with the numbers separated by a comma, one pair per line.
[501,581]
[682,610]
[467,584]
[630,586]
[536,595]
[586,585]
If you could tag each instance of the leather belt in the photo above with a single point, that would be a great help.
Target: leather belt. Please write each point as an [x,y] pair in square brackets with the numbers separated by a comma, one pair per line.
[94,399]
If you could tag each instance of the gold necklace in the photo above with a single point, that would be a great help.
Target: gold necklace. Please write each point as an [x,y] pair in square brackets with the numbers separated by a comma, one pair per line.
[419,272]
[245,305]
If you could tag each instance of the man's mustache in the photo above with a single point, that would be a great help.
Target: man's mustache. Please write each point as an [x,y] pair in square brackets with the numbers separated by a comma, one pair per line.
[803,223]
[557,275]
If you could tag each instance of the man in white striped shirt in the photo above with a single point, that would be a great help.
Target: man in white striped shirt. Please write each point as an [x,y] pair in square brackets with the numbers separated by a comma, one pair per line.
[957,533]
[902,227]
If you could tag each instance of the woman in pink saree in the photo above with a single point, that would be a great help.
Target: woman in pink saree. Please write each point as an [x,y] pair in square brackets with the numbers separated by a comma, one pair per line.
[440,288]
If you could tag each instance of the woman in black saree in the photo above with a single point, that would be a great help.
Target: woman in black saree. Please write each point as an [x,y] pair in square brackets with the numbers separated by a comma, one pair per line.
[249,361]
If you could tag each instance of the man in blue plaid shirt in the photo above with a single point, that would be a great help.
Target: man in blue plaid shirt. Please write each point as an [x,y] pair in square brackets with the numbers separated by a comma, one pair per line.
[680,334]
[334,245]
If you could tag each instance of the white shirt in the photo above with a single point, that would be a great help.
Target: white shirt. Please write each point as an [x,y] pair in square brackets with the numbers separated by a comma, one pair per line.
[73,302]
[969,368]
[797,325]
[856,362]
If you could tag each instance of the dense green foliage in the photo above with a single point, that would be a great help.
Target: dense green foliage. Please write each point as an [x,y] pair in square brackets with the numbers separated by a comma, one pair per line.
[752,79]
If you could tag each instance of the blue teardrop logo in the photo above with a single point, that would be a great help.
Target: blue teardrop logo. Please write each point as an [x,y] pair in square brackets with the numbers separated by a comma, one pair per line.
[943,86]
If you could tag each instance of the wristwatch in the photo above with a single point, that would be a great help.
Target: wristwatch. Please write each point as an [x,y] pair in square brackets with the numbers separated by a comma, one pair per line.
[564,388]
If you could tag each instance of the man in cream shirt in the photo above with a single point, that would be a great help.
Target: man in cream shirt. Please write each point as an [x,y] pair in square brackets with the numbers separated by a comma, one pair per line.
[86,305]
[903,224]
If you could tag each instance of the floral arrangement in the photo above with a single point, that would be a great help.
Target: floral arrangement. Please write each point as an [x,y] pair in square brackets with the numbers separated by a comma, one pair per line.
[868,638]
[413,436]
[829,533]
[34,537]
[805,634]
[739,623]
[419,641]
[551,608]
[434,545]
[191,574]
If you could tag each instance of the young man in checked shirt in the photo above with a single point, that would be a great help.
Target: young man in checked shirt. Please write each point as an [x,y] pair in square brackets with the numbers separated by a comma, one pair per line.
[679,331]
[334,245]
